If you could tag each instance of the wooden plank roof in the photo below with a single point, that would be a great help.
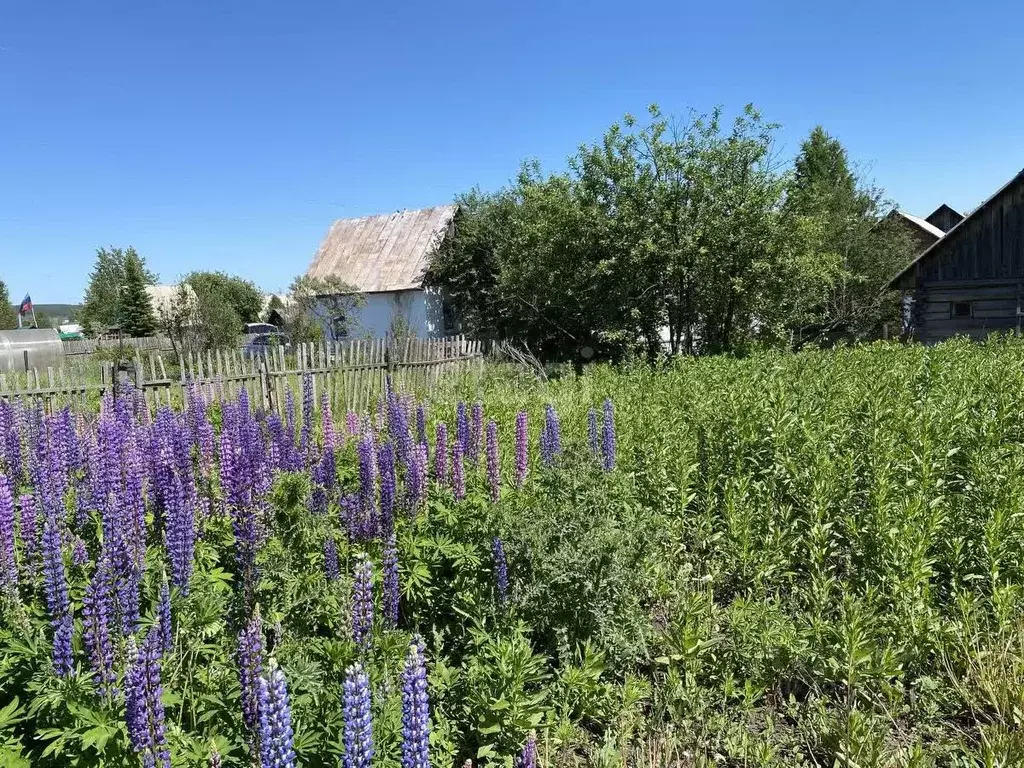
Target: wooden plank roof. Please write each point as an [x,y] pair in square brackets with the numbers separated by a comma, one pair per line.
[387,252]
[901,280]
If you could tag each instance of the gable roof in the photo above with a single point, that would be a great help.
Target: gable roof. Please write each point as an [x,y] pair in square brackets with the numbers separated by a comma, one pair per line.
[922,224]
[933,250]
[387,252]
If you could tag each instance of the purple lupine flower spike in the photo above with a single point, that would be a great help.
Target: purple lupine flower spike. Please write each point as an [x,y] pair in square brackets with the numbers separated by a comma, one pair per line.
[249,658]
[415,711]
[441,454]
[389,587]
[362,603]
[592,442]
[79,553]
[29,526]
[276,736]
[215,758]
[521,449]
[388,481]
[327,420]
[458,472]
[307,416]
[331,567]
[97,611]
[368,480]
[398,428]
[358,729]
[8,563]
[608,436]
[493,464]
[163,612]
[528,757]
[416,478]
[57,601]
[476,436]
[462,427]
[352,423]
[500,571]
[550,438]
[144,706]
[421,424]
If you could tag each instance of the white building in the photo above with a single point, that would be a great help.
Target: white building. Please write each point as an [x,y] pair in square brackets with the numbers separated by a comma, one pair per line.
[385,258]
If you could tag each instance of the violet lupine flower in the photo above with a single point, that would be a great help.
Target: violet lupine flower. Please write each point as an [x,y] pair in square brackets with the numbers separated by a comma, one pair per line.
[29,525]
[249,658]
[608,436]
[386,468]
[79,553]
[462,427]
[595,448]
[421,424]
[389,586]
[163,615]
[550,437]
[10,442]
[528,757]
[458,472]
[476,436]
[57,601]
[416,478]
[441,454]
[215,759]
[8,564]
[180,534]
[97,611]
[521,449]
[324,476]
[352,423]
[358,732]
[355,519]
[307,415]
[366,451]
[362,603]
[398,428]
[493,464]
[500,571]
[246,527]
[289,415]
[415,711]
[144,708]
[276,737]
[327,420]
[331,566]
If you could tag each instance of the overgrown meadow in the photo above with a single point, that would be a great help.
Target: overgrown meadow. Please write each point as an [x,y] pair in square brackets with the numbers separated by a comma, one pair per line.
[810,559]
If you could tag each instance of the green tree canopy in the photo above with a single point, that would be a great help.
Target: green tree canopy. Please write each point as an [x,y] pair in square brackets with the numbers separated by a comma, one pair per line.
[8,314]
[102,305]
[846,219]
[134,308]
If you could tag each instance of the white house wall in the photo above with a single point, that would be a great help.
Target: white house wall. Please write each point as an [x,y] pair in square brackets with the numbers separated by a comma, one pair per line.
[419,312]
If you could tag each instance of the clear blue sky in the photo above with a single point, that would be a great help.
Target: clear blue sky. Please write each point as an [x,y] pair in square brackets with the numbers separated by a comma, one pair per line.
[228,135]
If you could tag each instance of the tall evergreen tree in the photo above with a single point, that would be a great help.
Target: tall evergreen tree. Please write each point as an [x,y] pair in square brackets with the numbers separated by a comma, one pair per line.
[8,315]
[101,306]
[135,310]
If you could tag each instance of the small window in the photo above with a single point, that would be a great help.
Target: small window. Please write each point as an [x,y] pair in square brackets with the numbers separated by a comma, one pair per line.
[961,309]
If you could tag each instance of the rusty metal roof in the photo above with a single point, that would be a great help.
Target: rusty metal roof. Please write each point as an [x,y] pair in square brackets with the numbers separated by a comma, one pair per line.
[387,252]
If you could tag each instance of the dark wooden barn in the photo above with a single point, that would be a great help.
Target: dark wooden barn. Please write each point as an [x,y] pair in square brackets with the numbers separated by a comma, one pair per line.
[970,281]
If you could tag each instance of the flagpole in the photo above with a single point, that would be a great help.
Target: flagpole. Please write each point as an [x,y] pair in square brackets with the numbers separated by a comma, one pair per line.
[19,321]
[34,316]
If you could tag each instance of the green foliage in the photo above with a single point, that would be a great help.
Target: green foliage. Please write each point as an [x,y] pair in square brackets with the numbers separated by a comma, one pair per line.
[8,314]
[321,307]
[102,307]
[689,235]
[802,559]
[134,308]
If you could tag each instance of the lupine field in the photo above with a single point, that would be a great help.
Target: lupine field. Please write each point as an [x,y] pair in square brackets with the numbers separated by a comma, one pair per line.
[810,559]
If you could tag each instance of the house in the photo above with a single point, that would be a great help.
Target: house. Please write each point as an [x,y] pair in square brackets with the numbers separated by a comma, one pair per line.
[173,304]
[971,280]
[385,258]
[923,231]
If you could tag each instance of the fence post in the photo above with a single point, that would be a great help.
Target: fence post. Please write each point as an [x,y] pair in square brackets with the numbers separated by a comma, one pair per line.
[268,396]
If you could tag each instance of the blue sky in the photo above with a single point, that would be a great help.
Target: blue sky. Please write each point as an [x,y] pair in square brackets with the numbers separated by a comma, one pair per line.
[228,135]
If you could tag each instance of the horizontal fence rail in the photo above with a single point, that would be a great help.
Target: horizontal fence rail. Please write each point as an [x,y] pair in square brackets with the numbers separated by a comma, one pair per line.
[349,374]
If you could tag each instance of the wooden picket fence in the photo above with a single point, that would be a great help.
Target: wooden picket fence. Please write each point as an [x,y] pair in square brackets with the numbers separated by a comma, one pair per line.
[141,343]
[352,373]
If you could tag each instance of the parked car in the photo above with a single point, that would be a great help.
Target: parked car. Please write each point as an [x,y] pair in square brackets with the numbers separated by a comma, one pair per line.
[266,341]
[261,328]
